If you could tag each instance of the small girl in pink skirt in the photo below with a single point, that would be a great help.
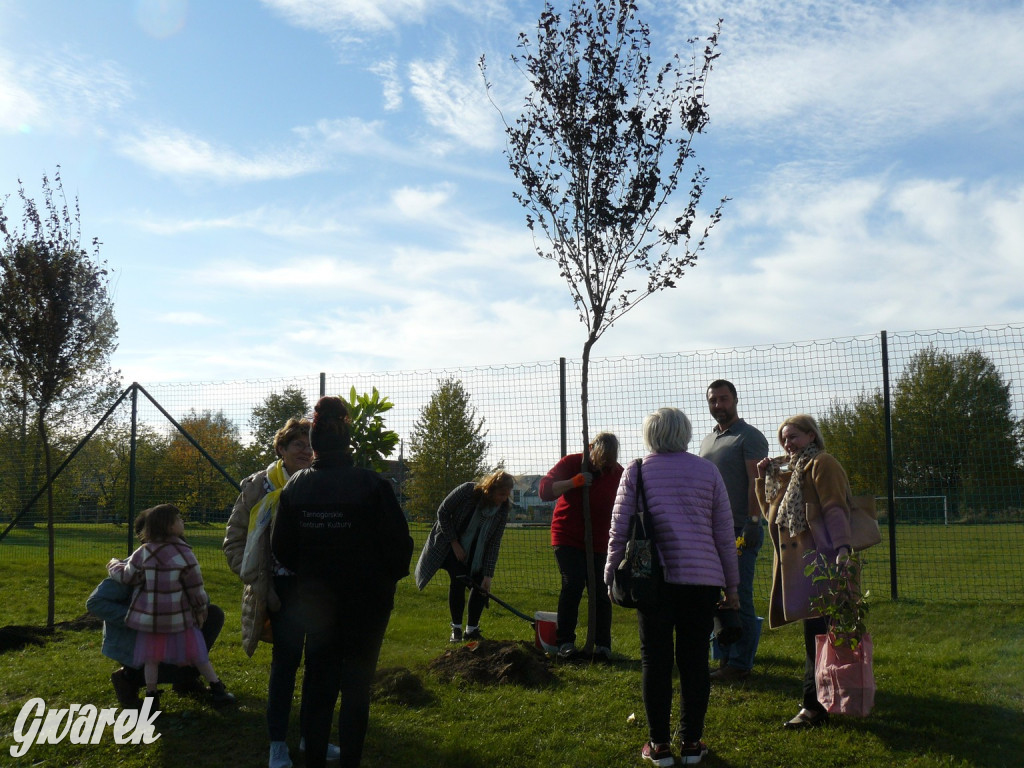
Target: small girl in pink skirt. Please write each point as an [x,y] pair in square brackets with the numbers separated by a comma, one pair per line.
[169,607]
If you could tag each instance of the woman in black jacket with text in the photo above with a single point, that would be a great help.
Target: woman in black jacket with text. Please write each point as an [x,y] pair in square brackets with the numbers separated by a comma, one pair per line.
[343,533]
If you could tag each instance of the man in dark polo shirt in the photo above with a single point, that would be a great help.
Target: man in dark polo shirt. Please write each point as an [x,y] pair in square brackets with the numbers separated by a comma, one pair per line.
[735,447]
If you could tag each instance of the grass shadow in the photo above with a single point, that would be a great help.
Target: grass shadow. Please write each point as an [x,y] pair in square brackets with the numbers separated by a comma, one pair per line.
[983,735]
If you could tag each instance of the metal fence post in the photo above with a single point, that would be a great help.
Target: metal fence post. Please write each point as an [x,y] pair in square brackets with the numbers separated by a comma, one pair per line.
[889,471]
[131,464]
[561,405]
[323,384]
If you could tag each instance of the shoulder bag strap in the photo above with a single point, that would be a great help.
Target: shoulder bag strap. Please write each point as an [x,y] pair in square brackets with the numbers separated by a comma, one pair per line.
[641,503]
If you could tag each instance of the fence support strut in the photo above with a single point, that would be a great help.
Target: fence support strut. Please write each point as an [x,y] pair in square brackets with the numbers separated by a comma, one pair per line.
[889,474]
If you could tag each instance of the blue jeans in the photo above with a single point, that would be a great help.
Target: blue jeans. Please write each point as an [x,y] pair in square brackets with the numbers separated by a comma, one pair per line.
[741,654]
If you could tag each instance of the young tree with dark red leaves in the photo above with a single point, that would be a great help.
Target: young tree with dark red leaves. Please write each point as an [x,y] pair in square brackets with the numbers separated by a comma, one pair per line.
[600,150]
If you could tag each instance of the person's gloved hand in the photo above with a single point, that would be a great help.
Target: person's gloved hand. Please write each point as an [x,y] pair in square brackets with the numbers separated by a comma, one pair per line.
[751,533]
[583,478]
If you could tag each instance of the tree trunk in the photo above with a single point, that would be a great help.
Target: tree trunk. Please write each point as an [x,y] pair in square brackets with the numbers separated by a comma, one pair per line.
[51,589]
[588,526]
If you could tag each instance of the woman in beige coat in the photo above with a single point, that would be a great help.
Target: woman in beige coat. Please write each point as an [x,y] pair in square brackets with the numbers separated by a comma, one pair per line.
[268,604]
[805,496]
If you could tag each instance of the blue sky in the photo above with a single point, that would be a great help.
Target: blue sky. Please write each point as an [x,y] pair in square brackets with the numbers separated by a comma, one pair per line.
[291,186]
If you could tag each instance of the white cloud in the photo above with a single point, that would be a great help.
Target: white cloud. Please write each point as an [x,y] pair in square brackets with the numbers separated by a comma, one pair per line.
[316,277]
[276,221]
[187,318]
[339,16]
[825,259]
[62,91]
[391,86]
[854,75]
[175,153]
[420,204]
[345,19]
[19,108]
[349,135]
[438,329]
[455,102]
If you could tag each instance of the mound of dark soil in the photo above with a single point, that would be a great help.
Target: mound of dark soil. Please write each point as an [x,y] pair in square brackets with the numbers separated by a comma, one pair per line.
[14,636]
[398,685]
[493,662]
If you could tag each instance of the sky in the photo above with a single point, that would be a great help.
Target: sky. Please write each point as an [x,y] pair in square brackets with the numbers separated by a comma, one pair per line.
[283,187]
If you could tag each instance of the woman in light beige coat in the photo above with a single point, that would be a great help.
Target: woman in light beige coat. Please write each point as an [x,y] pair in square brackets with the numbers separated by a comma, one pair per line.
[812,516]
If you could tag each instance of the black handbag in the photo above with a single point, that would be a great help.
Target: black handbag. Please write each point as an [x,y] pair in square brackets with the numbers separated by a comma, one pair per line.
[637,581]
[728,627]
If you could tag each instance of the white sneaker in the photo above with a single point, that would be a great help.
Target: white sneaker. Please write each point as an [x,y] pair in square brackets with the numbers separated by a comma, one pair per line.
[333,750]
[279,757]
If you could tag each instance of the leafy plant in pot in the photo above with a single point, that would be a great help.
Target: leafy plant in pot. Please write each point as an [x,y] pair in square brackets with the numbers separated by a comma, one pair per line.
[838,597]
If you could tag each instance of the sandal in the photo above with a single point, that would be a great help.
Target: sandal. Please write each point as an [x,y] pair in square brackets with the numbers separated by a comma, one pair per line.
[807,718]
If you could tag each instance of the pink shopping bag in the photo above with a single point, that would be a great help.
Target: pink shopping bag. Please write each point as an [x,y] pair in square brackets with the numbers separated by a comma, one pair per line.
[844,676]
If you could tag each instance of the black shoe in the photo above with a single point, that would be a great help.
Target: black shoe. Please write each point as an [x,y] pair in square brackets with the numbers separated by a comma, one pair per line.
[219,694]
[456,635]
[729,674]
[126,691]
[567,652]
[473,634]
[807,718]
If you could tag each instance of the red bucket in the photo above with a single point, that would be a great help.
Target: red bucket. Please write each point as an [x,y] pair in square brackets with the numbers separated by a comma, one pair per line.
[546,638]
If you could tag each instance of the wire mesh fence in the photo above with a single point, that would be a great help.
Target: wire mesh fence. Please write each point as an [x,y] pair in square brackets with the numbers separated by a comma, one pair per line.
[950,490]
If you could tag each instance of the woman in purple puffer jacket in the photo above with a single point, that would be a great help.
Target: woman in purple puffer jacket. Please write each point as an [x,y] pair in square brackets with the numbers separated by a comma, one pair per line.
[693,533]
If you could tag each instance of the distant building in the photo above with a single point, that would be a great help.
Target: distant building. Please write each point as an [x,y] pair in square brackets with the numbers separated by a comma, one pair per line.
[527,506]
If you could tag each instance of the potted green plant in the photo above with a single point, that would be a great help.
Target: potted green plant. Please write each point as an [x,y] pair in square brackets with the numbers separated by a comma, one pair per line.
[838,597]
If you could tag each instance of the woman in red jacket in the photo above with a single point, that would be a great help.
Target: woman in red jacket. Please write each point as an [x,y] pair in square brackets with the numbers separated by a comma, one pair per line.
[565,482]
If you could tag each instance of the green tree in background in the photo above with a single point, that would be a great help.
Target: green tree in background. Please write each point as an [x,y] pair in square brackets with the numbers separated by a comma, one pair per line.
[22,457]
[954,434]
[57,326]
[195,485]
[855,434]
[448,448]
[266,418]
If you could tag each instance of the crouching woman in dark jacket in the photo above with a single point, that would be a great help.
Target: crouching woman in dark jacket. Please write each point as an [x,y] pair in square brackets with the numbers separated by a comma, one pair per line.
[343,533]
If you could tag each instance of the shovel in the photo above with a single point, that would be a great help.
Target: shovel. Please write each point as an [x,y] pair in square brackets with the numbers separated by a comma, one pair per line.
[473,585]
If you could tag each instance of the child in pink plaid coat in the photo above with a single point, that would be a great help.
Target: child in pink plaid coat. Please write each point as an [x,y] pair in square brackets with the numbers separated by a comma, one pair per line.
[169,606]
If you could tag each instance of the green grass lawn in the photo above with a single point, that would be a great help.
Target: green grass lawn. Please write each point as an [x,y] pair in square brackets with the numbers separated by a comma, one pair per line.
[950,681]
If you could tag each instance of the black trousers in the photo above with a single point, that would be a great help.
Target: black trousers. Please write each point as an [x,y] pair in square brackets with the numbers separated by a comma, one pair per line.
[572,564]
[342,647]
[685,614]
[457,593]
